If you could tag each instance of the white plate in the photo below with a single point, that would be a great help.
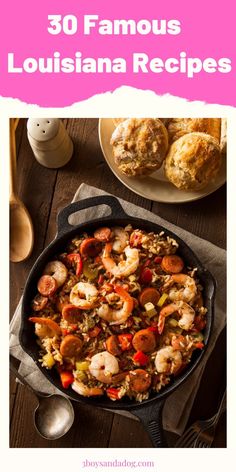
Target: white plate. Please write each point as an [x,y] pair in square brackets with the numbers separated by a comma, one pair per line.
[154,187]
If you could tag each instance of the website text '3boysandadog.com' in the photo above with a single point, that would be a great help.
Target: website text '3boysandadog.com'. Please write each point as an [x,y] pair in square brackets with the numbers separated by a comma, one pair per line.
[91,464]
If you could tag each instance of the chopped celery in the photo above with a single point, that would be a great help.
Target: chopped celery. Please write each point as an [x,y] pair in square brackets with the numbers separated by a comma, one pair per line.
[149,306]
[150,309]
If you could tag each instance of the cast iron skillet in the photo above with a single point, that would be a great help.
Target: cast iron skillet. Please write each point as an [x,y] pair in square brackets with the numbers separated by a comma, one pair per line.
[149,411]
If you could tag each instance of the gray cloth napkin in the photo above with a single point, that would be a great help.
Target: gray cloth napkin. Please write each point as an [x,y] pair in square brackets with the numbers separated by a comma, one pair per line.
[179,404]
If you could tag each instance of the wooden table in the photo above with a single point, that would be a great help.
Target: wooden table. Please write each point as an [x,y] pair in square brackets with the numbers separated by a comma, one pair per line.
[44,192]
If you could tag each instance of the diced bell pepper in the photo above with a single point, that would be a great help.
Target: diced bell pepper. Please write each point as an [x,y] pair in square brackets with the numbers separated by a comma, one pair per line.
[82,365]
[140,358]
[67,378]
[162,299]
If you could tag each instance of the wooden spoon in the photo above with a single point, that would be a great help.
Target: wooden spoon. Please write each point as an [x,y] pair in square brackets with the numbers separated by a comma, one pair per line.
[21,227]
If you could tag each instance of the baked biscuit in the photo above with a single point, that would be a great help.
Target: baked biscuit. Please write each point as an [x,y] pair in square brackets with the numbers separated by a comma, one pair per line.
[165,121]
[193,161]
[117,121]
[139,145]
[178,127]
[223,136]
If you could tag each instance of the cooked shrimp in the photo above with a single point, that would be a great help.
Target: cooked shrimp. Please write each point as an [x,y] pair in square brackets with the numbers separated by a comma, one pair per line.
[71,313]
[187,293]
[57,270]
[103,366]
[144,340]
[45,327]
[121,239]
[123,268]
[186,312]
[168,360]
[84,295]
[86,391]
[120,315]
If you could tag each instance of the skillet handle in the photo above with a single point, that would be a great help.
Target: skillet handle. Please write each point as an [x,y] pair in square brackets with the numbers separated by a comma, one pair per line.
[63,216]
[151,417]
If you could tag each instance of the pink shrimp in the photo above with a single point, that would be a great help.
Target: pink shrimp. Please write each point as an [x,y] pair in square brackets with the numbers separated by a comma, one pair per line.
[185,311]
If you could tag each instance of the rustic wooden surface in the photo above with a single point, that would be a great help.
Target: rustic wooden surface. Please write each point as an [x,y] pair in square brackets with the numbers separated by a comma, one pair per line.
[44,192]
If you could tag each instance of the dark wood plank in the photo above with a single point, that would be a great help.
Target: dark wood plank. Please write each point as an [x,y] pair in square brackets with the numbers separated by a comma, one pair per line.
[127,432]
[221,437]
[19,134]
[35,188]
[13,390]
[16,269]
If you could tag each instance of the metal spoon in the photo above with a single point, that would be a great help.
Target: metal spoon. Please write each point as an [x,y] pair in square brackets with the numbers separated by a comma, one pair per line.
[21,227]
[54,415]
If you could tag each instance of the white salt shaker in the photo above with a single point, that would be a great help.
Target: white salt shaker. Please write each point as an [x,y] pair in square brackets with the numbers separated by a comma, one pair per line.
[50,142]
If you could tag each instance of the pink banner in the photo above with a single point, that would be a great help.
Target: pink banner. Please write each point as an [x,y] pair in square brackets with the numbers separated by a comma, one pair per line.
[88,47]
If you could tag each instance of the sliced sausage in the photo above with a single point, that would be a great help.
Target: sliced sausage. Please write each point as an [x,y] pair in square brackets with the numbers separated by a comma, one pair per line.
[119,377]
[112,345]
[144,340]
[71,346]
[47,285]
[39,302]
[102,234]
[172,263]
[71,313]
[90,247]
[140,380]
[149,294]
